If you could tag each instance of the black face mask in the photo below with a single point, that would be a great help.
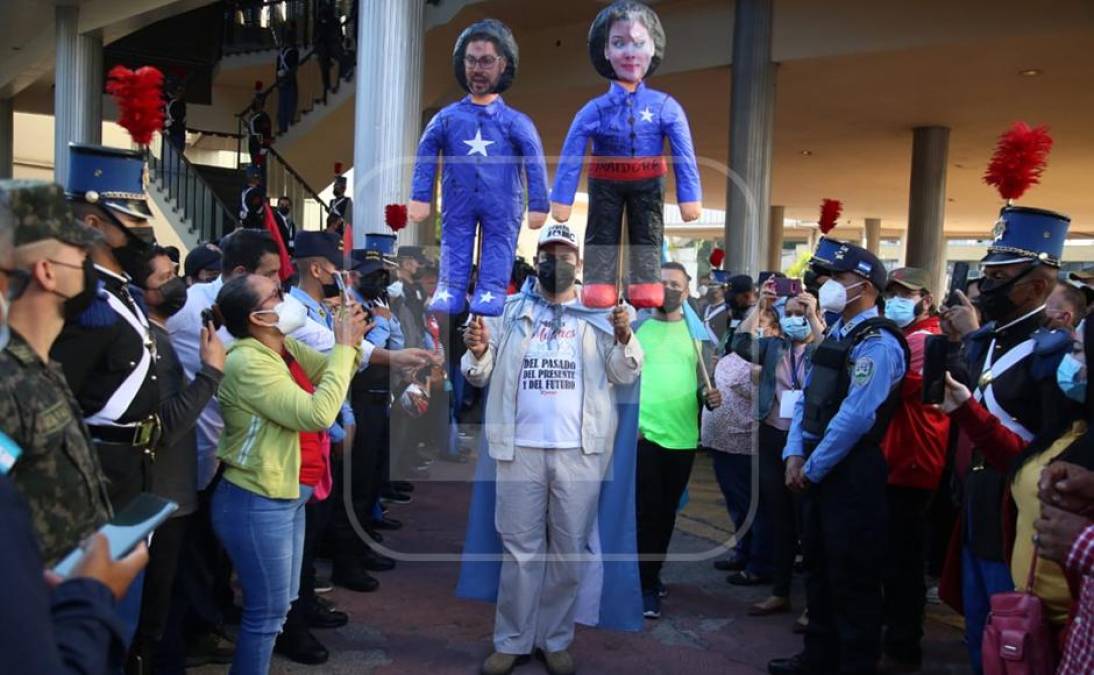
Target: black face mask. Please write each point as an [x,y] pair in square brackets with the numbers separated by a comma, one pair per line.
[673,300]
[76,305]
[172,297]
[283,210]
[374,287]
[994,301]
[133,254]
[556,276]
[331,290]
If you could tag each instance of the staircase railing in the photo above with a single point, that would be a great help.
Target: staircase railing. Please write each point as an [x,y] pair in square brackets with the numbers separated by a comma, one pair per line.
[309,210]
[207,215]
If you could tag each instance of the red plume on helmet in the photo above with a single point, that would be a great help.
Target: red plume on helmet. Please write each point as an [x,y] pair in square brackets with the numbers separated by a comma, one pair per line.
[717,256]
[337,168]
[258,86]
[1019,160]
[139,95]
[395,216]
[829,214]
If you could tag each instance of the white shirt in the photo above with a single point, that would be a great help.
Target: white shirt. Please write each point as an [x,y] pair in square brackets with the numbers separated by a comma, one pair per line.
[550,389]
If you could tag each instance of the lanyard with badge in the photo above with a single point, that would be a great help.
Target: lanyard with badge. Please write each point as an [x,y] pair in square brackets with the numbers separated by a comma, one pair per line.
[789,398]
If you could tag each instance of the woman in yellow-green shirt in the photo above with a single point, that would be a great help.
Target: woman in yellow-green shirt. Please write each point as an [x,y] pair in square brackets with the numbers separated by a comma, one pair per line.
[258,506]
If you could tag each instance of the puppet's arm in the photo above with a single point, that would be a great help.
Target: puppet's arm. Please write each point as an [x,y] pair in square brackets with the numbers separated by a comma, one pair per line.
[689,193]
[425,170]
[569,164]
[535,169]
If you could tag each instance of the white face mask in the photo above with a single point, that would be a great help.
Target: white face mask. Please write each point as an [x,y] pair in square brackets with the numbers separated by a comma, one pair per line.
[291,315]
[833,295]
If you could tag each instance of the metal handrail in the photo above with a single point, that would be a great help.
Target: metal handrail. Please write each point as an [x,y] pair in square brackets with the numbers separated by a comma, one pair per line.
[207,213]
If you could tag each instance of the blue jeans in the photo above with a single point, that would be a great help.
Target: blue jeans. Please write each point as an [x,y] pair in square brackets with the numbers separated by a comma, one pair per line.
[734,474]
[265,539]
[980,579]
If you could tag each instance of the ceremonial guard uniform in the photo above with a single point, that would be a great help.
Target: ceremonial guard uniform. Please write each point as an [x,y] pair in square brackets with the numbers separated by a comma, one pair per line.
[1013,375]
[57,472]
[341,204]
[259,132]
[252,201]
[108,353]
[174,121]
[838,424]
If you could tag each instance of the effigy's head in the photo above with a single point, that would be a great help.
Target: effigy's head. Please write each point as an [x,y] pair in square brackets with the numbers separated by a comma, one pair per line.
[485,58]
[626,41]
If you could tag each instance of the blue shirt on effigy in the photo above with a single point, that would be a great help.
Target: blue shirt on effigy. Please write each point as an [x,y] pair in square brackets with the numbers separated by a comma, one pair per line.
[629,124]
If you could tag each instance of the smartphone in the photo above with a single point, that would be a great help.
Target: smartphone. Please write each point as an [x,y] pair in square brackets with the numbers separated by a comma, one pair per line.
[934,368]
[340,280]
[128,528]
[959,281]
[208,317]
[787,288]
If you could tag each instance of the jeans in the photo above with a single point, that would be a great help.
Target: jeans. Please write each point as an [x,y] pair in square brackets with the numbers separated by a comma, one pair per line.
[980,579]
[734,474]
[265,540]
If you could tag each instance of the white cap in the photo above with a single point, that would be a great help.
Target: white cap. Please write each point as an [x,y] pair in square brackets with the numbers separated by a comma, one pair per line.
[560,233]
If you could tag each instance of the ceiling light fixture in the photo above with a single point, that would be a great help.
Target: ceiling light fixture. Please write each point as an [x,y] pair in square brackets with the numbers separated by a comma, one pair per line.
[1030,72]
[806,153]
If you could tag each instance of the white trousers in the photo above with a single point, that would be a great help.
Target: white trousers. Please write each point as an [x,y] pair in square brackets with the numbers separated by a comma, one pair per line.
[546,505]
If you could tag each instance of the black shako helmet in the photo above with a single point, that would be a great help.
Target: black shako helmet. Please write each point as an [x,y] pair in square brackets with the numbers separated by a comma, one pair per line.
[618,11]
[498,33]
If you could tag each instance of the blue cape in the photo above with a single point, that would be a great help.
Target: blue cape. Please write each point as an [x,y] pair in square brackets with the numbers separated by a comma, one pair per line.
[620,592]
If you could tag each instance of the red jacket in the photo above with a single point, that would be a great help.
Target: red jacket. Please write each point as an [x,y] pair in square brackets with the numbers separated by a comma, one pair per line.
[916,440]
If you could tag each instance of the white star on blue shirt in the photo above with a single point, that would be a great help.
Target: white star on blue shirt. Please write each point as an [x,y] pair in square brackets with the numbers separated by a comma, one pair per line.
[486,297]
[478,144]
[647,114]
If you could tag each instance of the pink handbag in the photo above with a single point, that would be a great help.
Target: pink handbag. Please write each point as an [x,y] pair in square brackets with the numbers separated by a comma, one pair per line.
[1017,638]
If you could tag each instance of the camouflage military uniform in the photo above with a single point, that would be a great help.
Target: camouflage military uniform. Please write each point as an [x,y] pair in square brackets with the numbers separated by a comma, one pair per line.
[58,472]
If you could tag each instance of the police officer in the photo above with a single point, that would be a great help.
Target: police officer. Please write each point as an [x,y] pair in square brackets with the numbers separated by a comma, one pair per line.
[252,201]
[833,456]
[53,278]
[1012,363]
[107,352]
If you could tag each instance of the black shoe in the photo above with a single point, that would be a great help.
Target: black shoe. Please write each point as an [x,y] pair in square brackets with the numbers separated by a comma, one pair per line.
[209,648]
[386,524]
[374,562]
[301,646]
[396,498]
[402,486]
[321,616]
[729,565]
[355,578]
[746,578]
[795,665]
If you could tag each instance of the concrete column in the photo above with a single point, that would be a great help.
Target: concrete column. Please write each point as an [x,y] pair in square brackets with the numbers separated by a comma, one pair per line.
[77,89]
[775,238]
[873,235]
[7,135]
[926,247]
[751,128]
[389,59]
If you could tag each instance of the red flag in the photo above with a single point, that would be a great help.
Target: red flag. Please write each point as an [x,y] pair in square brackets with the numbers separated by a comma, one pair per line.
[282,251]
[347,240]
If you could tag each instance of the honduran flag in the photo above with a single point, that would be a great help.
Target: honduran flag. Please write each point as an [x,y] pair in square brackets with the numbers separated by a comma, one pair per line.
[610,594]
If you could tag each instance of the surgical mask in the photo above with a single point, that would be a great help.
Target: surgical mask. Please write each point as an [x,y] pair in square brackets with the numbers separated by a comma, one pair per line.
[291,315]
[901,311]
[673,300]
[1068,375]
[556,276]
[172,297]
[795,327]
[833,295]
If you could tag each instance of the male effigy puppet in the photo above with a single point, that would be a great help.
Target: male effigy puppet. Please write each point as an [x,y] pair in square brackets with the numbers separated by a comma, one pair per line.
[488,149]
[628,126]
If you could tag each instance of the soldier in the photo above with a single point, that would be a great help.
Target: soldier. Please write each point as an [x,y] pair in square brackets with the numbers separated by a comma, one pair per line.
[252,200]
[833,455]
[288,58]
[341,204]
[107,352]
[259,131]
[285,224]
[57,472]
[1012,367]
[174,118]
